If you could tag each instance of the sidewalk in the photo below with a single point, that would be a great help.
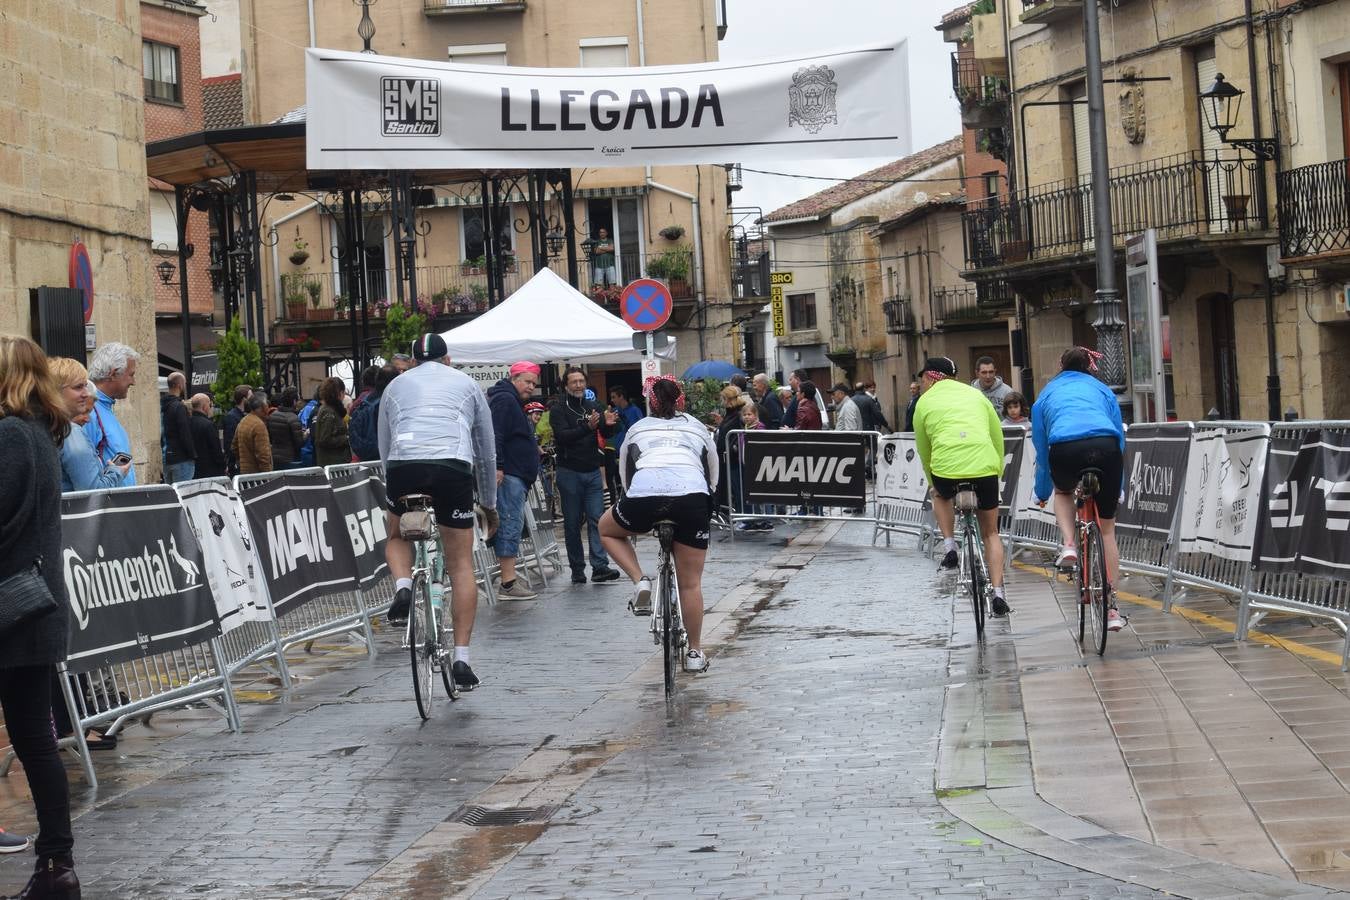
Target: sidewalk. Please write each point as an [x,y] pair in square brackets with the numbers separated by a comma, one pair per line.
[1178,741]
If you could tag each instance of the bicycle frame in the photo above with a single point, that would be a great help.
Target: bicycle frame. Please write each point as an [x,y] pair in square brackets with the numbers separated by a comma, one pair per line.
[974,569]
[667,620]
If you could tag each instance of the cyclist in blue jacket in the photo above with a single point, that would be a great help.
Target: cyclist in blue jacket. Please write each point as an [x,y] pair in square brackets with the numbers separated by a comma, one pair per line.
[1076,424]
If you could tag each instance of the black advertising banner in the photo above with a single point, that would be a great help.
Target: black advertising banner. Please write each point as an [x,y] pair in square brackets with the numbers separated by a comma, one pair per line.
[301,538]
[1155,473]
[133,574]
[819,467]
[360,496]
[1304,524]
[1015,443]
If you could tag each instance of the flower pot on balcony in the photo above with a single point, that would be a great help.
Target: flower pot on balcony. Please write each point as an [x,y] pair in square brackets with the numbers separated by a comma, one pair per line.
[1235,205]
[322,313]
[296,310]
[1016,251]
[680,289]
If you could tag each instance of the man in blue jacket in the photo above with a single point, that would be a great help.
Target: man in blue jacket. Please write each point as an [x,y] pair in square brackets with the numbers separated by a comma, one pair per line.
[517,467]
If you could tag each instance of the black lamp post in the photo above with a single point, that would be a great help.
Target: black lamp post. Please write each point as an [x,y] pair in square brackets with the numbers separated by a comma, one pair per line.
[165,270]
[1221,102]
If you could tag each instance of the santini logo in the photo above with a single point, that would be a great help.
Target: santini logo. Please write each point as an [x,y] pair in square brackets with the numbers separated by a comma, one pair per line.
[127,579]
[295,535]
[411,106]
[814,470]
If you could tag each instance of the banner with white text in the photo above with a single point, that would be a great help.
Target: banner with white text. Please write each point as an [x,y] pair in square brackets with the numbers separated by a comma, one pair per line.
[1304,525]
[302,539]
[1220,506]
[218,519]
[133,574]
[1155,471]
[365,111]
[827,468]
[361,497]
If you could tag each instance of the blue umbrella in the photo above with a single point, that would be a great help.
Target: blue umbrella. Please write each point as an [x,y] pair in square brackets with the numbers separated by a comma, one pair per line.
[711,368]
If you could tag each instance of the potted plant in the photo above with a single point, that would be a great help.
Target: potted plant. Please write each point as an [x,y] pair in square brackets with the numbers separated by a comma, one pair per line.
[672,232]
[672,266]
[472,266]
[317,314]
[508,258]
[300,254]
[478,296]
[440,301]
[294,297]
[340,305]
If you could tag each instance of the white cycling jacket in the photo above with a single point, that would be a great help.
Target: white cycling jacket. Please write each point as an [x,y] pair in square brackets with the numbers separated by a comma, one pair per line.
[668,458]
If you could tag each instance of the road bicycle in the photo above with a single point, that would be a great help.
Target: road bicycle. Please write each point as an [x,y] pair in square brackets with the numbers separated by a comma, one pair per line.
[427,636]
[1094,588]
[667,621]
[974,569]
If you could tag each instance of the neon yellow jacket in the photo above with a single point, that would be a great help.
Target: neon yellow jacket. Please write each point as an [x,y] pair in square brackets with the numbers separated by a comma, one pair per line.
[957,432]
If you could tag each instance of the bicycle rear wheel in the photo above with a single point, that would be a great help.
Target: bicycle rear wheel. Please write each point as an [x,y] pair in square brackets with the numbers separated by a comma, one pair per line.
[1099,592]
[670,637]
[422,644]
[976,575]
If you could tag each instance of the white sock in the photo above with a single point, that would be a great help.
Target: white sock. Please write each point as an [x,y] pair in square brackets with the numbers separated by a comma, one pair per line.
[998,592]
[948,544]
[461,654]
[402,583]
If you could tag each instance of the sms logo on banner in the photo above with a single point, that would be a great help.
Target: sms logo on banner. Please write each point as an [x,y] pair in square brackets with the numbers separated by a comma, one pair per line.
[412,106]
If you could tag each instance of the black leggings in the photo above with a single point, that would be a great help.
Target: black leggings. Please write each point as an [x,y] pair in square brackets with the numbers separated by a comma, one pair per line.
[26,698]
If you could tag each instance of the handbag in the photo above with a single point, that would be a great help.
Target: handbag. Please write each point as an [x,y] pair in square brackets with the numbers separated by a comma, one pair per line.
[24,596]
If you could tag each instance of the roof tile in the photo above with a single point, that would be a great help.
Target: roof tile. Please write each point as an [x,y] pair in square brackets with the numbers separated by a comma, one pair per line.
[222,102]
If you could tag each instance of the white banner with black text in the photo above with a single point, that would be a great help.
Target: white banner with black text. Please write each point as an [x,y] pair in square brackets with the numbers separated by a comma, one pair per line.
[218,519]
[1220,505]
[900,477]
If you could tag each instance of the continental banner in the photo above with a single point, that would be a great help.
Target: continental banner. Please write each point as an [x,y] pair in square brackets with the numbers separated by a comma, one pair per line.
[218,519]
[810,467]
[360,495]
[1155,472]
[1220,507]
[365,111]
[900,477]
[302,539]
[133,574]
[1304,525]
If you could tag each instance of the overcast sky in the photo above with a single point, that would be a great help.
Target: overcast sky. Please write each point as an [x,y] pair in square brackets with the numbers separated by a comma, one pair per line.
[760,29]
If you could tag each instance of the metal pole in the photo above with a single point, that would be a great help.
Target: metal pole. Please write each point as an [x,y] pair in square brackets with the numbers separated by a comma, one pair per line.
[570,229]
[180,199]
[1108,325]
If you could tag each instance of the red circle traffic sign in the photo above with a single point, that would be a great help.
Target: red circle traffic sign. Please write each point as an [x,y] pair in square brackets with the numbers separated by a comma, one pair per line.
[82,277]
[646,304]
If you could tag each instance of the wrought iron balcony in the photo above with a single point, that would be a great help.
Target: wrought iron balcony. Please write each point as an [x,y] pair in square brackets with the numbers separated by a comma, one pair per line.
[982,97]
[1184,196]
[1051,10]
[1314,210]
[971,303]
[468,7]
[899,312]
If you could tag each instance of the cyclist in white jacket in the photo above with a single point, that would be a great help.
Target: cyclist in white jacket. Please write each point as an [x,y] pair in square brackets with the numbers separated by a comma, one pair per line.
[668,464]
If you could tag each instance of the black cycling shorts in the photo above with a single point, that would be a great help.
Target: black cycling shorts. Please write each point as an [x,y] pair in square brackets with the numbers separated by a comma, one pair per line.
[1069,459]
[986,489]
[451,491]
[691,513]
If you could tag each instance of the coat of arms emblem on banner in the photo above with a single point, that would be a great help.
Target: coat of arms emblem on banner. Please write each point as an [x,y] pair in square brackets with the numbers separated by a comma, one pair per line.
[811,98]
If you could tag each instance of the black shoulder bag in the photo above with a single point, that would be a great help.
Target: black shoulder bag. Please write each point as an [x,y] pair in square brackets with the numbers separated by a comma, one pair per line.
[23,597]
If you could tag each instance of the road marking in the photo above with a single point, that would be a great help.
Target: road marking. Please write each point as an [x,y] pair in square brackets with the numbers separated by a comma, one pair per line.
[1204,618]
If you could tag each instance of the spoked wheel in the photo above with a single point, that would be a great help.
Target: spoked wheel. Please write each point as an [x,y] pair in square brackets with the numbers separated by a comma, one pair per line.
[443,648]
[670,631]
[1095,584]
[977,584]
[421,645]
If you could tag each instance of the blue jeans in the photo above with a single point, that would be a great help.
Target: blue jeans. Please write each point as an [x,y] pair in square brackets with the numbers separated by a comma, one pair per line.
[182,471]
[582,493]
[511,511]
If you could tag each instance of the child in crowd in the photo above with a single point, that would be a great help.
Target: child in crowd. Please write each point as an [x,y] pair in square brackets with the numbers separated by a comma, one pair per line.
[1015,410]
[751,422]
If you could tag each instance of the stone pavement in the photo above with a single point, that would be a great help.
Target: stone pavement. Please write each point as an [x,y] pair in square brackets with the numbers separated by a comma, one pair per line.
[850,740]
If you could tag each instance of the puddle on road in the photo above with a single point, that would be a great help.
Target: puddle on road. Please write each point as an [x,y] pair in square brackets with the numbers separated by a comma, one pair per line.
[474,854]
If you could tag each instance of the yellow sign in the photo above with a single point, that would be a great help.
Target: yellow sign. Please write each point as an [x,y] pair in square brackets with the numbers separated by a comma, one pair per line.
[780,278]
[776,305]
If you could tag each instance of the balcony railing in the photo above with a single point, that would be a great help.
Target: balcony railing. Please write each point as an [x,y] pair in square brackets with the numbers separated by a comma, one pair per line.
[1314,210]
[899,312]
[457,290]
[970,303]
[1187,195]
[972,88]
[451,7]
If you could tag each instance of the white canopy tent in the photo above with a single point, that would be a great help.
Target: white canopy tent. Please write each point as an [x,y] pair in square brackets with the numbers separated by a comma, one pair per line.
[546,320]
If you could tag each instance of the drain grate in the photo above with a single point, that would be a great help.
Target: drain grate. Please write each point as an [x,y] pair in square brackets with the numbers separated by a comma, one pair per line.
[484,817]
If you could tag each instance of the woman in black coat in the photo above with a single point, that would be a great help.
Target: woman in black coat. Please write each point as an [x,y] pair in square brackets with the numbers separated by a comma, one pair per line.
[34,420]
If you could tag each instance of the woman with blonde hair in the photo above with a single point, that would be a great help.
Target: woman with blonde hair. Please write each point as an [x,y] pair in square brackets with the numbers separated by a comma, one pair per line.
[34,421]
[81,469]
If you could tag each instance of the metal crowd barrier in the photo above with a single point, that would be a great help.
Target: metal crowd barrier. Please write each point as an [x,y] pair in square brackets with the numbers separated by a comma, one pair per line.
[898,517]
[1149,554]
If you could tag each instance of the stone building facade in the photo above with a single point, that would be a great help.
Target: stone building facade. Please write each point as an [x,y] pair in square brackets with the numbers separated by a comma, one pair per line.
[72,168]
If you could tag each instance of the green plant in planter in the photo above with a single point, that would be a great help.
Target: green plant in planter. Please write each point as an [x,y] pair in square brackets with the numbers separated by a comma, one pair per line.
[401,328]
[239,361]
[672,264]
[672,232]
[341,303]
[314,289]
[478,293]
[300,255]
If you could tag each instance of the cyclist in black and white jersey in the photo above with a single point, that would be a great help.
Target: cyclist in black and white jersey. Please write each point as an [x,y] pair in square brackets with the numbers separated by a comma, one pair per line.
[668,464]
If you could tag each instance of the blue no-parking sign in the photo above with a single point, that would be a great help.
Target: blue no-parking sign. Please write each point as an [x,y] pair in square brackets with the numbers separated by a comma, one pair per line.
[645,304]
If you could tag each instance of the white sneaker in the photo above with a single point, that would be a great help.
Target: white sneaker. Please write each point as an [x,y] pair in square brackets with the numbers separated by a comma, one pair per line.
[517,591]
[1067,559]
[1114,620]
[641,604]
[695,661]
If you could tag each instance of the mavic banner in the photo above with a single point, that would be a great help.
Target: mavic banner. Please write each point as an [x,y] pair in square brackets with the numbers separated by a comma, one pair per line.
[815,467]
[133,574]
[217,518]
[302,539]
[1222,500]
[1016,444]
[382,112]
[1304,525]
[360,496]
[1155,471]
[900,477]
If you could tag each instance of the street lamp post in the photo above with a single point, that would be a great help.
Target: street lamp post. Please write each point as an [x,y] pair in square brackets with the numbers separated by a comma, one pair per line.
[1106,304]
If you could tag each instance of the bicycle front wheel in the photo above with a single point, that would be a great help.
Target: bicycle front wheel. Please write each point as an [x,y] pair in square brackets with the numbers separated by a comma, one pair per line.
[422,645]
[670,638]
[978,579]
[1095,587]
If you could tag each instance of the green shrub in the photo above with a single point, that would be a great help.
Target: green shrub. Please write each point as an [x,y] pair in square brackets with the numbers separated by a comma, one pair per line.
[240,362]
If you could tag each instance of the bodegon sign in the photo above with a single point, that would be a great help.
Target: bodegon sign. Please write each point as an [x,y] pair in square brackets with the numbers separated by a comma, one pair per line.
[378,112]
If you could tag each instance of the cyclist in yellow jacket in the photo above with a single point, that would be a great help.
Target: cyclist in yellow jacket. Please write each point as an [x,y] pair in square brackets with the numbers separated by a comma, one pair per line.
[960,439]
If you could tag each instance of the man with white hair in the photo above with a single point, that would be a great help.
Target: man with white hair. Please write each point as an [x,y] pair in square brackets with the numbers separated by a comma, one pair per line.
[113,372]
[770,409]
